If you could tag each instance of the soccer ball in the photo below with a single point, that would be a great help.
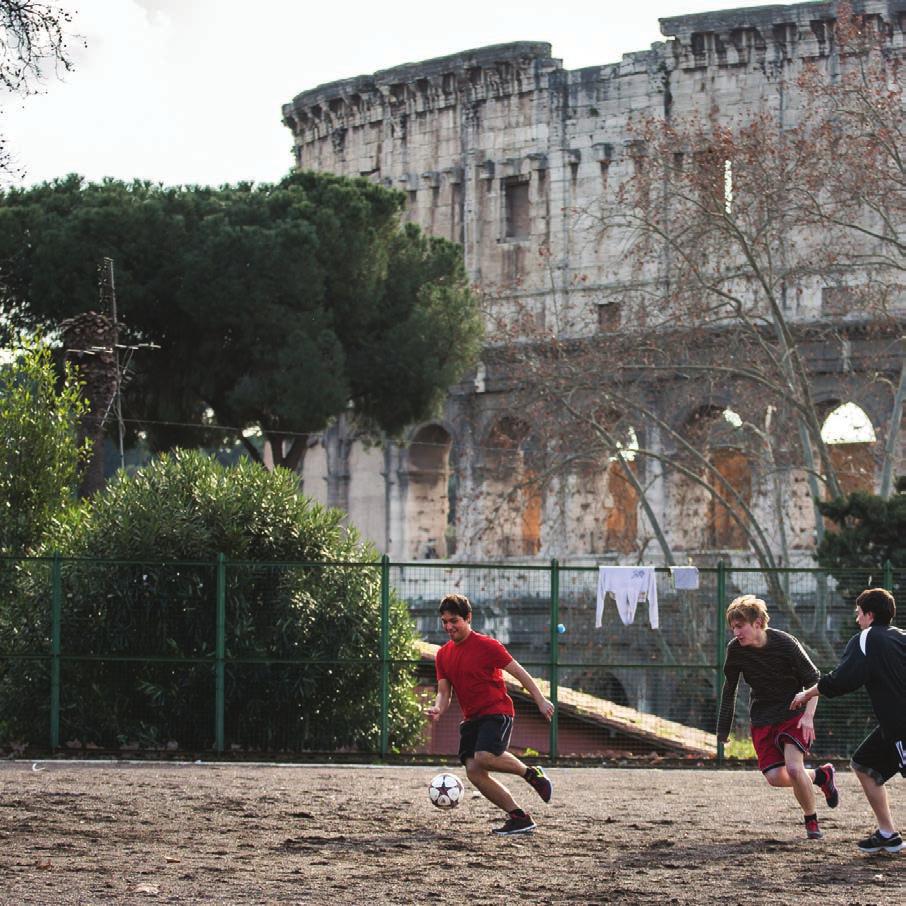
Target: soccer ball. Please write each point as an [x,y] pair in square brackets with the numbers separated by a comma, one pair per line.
[446,791]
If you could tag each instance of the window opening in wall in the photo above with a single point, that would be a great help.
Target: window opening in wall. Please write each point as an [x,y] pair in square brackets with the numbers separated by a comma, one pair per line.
[736,469]
[851,441]
[605,169]
[609,317]
[517,210]
[848,424]
[457,233]
[428,503]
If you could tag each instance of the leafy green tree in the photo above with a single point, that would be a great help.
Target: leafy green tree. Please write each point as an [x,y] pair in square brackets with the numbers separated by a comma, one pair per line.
[274,306]
[39,449]
[870,530]
[307,636]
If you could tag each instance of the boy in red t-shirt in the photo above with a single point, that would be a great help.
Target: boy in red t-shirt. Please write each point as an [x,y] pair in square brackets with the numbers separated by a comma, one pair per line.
[471,664]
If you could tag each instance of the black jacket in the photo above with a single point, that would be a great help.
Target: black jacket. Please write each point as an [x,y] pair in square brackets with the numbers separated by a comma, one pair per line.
[874,658]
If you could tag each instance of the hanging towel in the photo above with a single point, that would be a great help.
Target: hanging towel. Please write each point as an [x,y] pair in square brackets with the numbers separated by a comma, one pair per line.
[684,577]
[627,584]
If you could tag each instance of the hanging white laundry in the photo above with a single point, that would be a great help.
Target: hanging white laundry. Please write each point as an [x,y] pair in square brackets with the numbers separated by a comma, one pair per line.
[627,584]
[684,577]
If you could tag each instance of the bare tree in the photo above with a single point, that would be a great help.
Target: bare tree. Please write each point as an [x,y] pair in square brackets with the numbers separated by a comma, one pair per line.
[754,260]
[33,39]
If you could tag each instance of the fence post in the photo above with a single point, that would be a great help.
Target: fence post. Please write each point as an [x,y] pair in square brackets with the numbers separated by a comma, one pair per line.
[56,609]
[220,655]
[385,655]
[888,576]
[719,644]
[555,650]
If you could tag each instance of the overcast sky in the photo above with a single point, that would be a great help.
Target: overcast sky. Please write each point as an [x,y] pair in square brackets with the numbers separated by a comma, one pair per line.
[190,91]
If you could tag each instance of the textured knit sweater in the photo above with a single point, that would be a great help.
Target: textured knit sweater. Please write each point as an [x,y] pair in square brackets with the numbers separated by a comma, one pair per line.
[775,673]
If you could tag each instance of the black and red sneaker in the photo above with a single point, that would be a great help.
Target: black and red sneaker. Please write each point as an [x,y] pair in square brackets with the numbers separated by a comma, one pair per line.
[829,787]
[540,782]
[812,831]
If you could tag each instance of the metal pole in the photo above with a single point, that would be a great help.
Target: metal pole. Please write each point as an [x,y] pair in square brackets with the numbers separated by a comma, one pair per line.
[888,575]
[56,607]
[719,646]
[385,655]
[555,651]
[108,288]
[220,656]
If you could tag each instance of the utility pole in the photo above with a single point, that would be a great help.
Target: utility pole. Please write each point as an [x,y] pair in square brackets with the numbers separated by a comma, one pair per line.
[108,301]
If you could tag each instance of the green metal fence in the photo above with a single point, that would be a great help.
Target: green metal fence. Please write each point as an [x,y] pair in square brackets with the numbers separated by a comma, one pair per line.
[298,660]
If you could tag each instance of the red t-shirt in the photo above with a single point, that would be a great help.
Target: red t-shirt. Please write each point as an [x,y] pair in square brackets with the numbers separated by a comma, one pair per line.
[473,668]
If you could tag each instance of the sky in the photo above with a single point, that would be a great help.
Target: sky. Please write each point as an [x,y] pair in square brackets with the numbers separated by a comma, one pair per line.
[190,91]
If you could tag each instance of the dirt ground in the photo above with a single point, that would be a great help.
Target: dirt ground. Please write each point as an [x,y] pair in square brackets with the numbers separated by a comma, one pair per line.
[192,833]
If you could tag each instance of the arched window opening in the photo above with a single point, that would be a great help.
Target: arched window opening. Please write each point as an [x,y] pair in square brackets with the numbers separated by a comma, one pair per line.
[851,439]
[428,493]
[514,496]
[734,467]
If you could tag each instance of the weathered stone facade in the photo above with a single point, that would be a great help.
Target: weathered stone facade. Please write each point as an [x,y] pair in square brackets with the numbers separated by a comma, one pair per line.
[503,150]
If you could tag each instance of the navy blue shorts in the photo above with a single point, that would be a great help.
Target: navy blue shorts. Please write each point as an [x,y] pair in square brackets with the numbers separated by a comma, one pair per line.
[880,757]
[488,733]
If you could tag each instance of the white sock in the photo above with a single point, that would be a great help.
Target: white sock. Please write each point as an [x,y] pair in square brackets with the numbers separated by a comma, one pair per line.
[885,833]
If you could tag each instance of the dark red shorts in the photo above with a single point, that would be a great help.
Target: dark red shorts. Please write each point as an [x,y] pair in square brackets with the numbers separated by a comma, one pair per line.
[769,741]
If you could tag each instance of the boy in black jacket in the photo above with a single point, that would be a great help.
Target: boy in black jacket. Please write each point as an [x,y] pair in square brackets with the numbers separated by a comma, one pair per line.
[876,659]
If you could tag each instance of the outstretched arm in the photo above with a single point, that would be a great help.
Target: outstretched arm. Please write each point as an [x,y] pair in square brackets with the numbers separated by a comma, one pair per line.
[807,721]
[517,671]
[806,695]
[442,702]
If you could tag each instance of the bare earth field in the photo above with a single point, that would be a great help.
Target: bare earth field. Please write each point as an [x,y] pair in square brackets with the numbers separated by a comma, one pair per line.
[192,833]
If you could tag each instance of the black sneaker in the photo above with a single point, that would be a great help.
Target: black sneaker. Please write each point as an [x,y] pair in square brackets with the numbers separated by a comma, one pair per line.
[540,782]
[515,824]
[875,843]
[812,831]
[829,787]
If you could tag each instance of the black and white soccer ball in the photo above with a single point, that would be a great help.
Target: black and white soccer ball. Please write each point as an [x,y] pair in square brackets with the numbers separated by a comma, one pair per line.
[446,791]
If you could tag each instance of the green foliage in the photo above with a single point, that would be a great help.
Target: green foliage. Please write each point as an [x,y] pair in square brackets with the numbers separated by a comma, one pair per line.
[308,636]
[739,747]
[273,305]
[870,531]
[39,450]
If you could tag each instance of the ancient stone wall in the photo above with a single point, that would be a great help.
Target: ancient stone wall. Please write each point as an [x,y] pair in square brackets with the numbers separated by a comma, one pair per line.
[505,151]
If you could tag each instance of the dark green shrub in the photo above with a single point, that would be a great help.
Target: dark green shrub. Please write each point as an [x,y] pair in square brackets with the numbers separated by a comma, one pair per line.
[306,637]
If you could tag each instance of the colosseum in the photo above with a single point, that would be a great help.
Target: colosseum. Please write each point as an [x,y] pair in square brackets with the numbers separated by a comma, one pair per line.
[502,149]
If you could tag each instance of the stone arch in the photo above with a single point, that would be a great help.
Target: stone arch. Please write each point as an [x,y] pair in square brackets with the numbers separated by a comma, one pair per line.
[601,502]
[735,468]
[621,523]
[850,436]
[603,684]
[428,493]
[701,519]
[366,491]
[513,515]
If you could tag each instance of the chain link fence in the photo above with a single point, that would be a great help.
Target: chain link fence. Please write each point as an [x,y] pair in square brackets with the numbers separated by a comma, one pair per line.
[306,660]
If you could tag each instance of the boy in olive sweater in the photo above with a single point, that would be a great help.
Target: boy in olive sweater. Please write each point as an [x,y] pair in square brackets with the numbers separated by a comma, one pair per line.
[776,668]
